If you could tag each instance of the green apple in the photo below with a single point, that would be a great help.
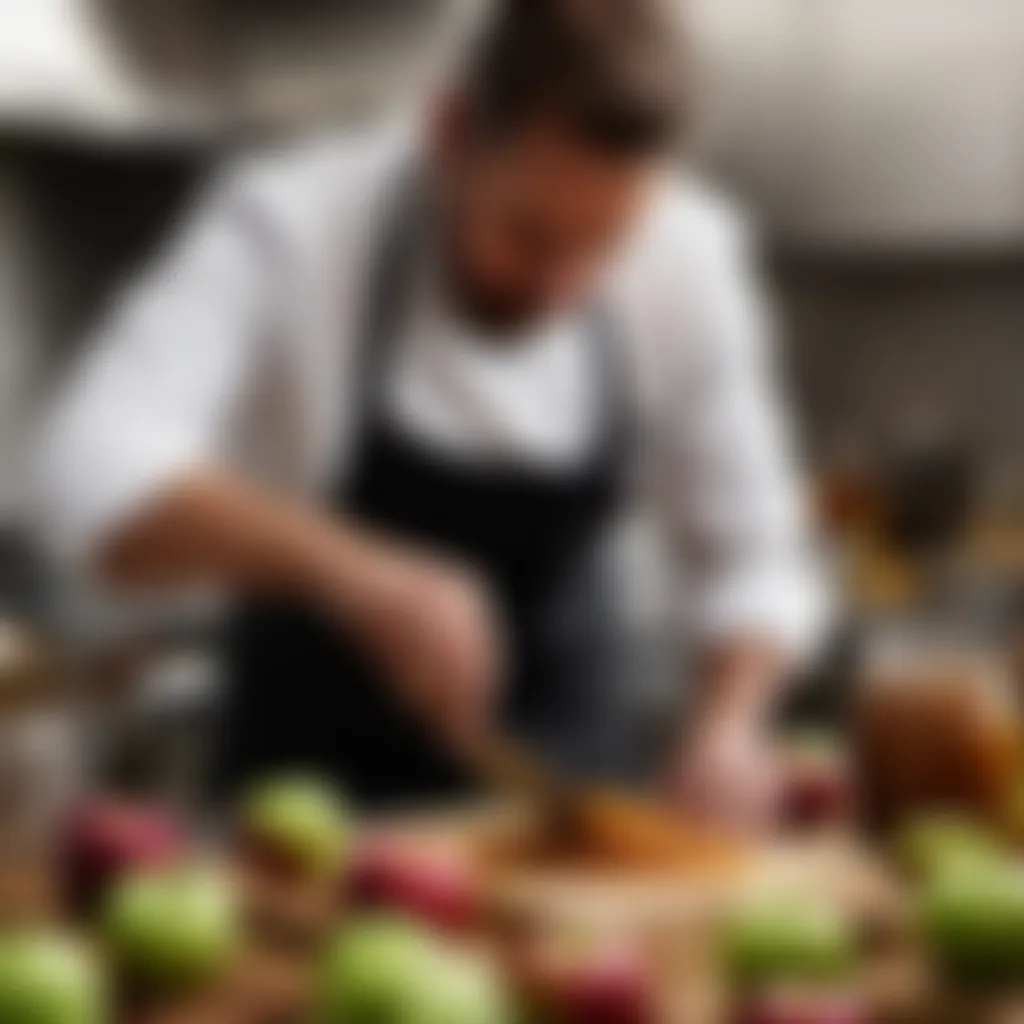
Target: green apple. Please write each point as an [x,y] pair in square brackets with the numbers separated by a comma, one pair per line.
[299,820]
[464,989]
[175,929]
[781,941]
[932,843]
[389,970]
[47,979]
[972,919]
[375,972]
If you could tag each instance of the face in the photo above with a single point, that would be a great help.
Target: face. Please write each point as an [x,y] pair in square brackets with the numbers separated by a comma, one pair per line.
[531,219]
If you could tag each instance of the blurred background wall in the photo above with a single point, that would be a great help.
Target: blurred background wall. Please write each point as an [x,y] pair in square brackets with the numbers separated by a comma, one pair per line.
[879,143]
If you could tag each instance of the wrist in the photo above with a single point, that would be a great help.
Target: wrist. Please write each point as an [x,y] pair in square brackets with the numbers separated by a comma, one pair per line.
[326,565]
[741,685]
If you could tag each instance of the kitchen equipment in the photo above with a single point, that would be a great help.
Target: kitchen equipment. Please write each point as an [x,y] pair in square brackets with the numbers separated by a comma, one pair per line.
[929,487]
[71,715]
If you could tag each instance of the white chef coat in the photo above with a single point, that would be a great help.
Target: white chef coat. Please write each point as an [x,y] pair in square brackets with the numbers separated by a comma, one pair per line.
[236,346]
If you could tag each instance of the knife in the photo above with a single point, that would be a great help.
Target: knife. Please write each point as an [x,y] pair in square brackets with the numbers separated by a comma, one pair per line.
[607,824]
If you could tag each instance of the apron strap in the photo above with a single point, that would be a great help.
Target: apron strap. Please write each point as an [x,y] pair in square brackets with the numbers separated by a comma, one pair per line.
[618,429]
[389,285]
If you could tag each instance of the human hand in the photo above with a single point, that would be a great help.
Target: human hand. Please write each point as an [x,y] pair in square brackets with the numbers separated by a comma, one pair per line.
[432,627]
[726,769]
[726,773]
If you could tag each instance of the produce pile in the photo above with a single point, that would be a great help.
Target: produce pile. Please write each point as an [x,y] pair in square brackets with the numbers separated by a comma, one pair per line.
[370,929]
[948,949]
[304,917]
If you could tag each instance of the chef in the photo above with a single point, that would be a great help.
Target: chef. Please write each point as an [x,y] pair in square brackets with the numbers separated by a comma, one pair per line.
[390,389]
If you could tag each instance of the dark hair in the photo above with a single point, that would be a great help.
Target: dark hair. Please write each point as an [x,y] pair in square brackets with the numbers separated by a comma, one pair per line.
[615,72]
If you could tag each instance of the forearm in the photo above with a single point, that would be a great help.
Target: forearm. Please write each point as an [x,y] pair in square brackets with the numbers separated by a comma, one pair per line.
[427,623]
[209,527]
[741,676]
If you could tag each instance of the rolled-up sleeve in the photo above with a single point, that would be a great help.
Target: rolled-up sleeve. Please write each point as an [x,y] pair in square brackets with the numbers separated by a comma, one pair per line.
[151,391]
[730,479]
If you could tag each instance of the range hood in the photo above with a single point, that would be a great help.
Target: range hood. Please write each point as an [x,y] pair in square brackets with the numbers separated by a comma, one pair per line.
[893,123]
[60,69]
[162,66]
[872,122]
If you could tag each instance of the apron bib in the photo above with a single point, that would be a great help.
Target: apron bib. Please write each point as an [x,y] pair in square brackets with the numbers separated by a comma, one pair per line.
[300,695]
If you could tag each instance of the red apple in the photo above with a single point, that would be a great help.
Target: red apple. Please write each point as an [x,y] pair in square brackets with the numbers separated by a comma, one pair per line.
[436,886]
[817,782]
[784,1006]
[604,985]
[615,987]
[106,839]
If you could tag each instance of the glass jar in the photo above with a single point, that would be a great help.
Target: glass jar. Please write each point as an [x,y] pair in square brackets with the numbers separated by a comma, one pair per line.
[936,727]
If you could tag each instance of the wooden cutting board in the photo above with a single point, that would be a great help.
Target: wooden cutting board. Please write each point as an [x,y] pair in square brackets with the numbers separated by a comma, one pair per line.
[833,866]
[674,914]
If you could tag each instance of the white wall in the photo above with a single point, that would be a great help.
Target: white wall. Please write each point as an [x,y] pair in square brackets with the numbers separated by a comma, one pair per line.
[899,121]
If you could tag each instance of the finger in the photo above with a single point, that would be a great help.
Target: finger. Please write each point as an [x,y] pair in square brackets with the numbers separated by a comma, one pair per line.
[715,797]
[696,795]
[754,804]
[450,699]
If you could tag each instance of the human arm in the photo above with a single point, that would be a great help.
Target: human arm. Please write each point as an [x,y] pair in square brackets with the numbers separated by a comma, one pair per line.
[427,621]
[733,497]
[134,486]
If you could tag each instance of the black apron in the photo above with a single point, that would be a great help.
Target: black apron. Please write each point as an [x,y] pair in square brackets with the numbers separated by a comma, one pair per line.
[300,695]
